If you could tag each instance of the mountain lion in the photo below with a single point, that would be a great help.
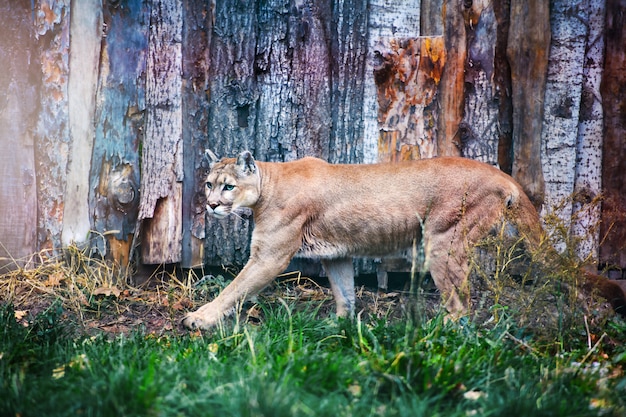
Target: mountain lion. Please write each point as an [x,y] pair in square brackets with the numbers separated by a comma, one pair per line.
[311,208]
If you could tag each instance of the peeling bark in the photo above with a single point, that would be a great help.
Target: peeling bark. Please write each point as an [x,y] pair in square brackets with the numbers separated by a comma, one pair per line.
[52,23]
[407,83]
[119,120]
[387,21]
[162,164]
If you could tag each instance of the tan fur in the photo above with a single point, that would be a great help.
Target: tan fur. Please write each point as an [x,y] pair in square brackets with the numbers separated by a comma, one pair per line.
[334,212]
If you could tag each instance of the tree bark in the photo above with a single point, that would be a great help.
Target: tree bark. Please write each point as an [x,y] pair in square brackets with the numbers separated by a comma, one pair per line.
[52,24]
[588,178]
[348,51]
[479,129]
[562,105]
[160,206]
[388,22]
[407,83]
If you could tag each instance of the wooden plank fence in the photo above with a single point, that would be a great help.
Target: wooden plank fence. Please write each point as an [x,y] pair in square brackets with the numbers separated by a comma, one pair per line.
[106,109]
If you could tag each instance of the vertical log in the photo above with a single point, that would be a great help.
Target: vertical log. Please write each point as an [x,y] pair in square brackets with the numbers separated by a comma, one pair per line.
[19,103]
[452,79]
[52,23]
[387,20]
[588,179]
[160,205]
[197,30]
[407,83]
[232,116]
[479,130]
[119,119]
[613,89]
[528,46]
[502,74]
[85,40]
[562,104]
[293,81]
[349,49]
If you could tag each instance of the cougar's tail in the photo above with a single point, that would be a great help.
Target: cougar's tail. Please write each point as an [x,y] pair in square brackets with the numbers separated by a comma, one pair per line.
[529,225]
[608,289]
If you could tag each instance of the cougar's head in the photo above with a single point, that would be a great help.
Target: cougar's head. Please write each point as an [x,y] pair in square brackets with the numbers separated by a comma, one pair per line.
[232,183]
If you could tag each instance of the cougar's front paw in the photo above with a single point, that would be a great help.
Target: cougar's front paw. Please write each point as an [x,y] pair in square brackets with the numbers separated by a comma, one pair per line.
[195,321]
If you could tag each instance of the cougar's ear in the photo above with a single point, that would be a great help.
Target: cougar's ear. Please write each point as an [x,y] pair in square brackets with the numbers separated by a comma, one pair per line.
[210,157]
[245,163]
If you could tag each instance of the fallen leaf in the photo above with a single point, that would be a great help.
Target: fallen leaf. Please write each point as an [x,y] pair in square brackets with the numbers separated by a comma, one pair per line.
[107,291]
[54,280]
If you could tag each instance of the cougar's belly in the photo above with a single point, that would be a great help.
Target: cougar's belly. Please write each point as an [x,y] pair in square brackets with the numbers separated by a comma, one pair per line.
[367,240]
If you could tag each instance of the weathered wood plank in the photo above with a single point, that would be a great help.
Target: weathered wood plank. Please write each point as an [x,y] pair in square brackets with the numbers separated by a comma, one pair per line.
[613,89]
[120,104]
[19,102]
[527,52]
[387,20]
[52,24]
[162,152]
[452,80]
[568,20]
[84,59]
[197,31]
[588,178]
[407,82]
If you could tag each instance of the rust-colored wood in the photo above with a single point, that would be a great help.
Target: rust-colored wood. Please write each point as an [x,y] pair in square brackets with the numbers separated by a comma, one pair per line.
[528,47]
[452,79]
[407,83]
[613,90]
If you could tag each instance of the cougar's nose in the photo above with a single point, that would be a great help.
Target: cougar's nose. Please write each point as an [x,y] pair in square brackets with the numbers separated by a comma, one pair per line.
[213,205]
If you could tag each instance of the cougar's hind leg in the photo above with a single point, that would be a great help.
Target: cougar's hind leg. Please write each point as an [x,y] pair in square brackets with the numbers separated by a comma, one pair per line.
[341,276]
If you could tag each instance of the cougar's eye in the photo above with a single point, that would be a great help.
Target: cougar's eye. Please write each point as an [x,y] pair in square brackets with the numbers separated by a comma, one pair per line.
[209,185]
[229,187]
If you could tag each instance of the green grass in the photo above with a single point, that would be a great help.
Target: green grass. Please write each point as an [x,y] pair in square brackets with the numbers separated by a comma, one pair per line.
[296,364]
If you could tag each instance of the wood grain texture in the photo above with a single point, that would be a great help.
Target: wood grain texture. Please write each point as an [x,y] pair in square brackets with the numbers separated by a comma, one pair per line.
[18,117]
[527,53]
[613,90]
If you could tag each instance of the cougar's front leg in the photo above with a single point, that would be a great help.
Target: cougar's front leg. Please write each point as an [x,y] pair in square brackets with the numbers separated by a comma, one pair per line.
[341,276]
[258,273]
